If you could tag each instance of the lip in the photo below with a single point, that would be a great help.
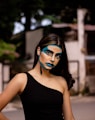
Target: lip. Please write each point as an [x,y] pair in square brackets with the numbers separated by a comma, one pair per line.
[50,65]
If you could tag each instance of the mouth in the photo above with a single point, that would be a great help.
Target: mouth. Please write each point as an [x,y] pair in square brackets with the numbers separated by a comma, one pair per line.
[50,65]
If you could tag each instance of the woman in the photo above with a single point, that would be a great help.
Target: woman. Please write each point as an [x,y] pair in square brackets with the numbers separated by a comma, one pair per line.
[44,90]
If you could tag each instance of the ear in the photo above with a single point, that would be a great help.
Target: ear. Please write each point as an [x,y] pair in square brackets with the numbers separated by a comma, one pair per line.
[38,51]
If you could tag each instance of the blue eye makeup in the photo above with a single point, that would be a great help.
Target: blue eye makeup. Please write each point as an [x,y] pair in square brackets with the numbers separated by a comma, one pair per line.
[50,53]
[47,51]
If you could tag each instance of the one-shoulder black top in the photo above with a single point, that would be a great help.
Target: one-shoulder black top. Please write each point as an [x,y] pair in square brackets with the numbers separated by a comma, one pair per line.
[40,102]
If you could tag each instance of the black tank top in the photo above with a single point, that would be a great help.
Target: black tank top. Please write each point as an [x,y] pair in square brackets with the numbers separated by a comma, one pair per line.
[40,102]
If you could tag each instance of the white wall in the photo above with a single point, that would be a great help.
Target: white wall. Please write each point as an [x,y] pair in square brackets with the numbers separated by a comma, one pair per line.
[74,53]
[72,48]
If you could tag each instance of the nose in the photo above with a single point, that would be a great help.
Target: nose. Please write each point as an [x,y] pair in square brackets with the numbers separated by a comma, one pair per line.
[53,58]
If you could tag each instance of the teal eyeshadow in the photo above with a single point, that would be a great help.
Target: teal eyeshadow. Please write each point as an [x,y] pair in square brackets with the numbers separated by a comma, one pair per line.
[41,65]
[46,48]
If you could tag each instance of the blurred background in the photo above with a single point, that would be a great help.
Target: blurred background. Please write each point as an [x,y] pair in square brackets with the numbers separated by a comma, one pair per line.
[24,22]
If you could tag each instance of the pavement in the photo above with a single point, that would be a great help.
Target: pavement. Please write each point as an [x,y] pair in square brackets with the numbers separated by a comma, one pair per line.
[13,105]
[83,108]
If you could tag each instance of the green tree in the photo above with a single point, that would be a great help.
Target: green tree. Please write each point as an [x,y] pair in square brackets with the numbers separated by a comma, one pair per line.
[13,10]
[29,9]
[10,11]
[7,52]
[8,14]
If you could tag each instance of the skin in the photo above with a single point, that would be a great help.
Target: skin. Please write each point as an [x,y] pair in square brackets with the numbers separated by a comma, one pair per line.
[48,52]
[19,81]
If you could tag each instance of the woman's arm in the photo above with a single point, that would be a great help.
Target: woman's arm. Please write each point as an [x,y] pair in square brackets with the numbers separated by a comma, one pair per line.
[13,88]
[67,110]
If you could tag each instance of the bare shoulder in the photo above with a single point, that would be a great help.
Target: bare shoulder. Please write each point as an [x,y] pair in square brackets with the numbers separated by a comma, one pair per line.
[20,79]
[62,81]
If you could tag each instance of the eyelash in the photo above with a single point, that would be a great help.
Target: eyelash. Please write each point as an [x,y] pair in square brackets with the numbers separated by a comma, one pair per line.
[58,56]
[50,54]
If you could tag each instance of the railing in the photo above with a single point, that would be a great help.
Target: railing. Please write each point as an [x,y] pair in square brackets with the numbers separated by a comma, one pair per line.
[77,76]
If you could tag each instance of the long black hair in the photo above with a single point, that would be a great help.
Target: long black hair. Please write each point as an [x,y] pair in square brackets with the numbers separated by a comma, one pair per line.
[62,68]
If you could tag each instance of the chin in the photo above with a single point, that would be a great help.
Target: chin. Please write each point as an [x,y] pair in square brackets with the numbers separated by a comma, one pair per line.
[48,68]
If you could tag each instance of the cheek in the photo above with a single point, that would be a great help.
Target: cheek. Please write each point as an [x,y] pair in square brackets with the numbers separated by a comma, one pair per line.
[56,62]
[42,61]
[42,57]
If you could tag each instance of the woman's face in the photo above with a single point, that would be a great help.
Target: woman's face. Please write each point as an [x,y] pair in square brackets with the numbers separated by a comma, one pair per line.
[50,56]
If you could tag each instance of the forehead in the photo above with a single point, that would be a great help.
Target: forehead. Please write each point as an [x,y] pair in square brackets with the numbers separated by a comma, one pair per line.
[54,48]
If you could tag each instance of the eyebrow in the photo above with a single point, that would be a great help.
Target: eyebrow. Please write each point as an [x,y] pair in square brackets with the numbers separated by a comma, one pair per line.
[53,52]
[50,51]
[59,53]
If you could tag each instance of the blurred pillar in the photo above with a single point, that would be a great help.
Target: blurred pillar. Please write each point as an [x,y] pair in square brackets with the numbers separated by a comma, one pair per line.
[6,74]
[81,32]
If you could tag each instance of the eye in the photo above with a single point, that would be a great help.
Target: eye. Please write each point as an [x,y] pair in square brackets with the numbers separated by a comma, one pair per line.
[48,52]
[58,56]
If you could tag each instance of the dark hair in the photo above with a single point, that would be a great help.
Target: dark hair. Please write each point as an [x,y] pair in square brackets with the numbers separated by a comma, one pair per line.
[62,68]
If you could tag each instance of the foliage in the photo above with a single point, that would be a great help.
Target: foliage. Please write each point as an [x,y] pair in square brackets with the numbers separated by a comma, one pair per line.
[54,19]
[11,11]
[8,14]
[68,15]
[7,52]
[58,11]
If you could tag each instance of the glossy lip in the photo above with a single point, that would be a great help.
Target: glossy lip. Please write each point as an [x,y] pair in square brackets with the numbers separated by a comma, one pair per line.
[49,65]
